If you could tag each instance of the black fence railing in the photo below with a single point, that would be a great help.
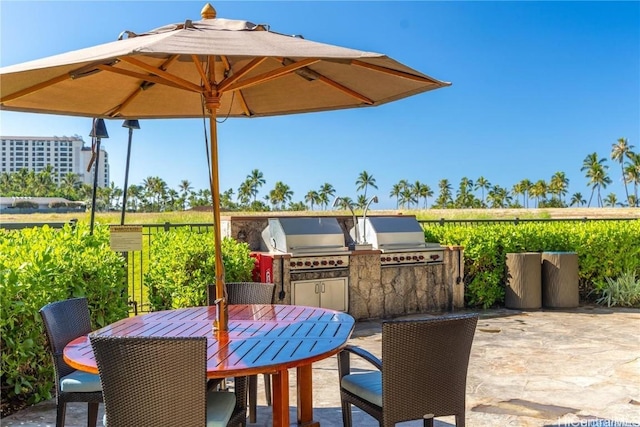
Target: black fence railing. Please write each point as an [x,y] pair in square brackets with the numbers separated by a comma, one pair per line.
[513,221]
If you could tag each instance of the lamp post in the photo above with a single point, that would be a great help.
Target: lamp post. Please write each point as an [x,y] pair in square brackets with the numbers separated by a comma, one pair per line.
[131,125]
[98,131]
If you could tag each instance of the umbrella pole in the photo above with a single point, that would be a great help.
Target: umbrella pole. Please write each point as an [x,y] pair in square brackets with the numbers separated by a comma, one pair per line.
[221,294]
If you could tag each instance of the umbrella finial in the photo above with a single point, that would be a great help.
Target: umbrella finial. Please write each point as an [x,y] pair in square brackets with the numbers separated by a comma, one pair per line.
[208,12]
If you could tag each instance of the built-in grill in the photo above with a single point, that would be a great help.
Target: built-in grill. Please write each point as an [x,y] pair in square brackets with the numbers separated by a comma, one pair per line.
[400,239]
[315,243]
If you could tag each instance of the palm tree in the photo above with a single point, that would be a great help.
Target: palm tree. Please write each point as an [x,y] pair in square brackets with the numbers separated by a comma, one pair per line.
[134,193]
[596,171]
[464,198]
[364,181]
[632,174]
[326,192]
[185,189]
[611,200]
[499,197]
[407,197]
[577,200]
[482,184]
[245,192]
[526,188]
[396,190]
[539,191]
[518,190]
[68,185]
[558,185]
[444,199]
[256,180]
[281,194]
[618,152]
[422,191]
[311,198]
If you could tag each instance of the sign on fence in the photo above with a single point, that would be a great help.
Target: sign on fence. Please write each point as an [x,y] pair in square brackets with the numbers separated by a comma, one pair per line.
[126,238]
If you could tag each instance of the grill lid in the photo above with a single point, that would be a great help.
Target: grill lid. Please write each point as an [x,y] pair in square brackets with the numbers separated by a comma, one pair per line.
[394,233]
[304,235]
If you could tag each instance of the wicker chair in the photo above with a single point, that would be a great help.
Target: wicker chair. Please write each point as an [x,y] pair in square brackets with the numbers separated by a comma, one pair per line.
[158,381]
[65,321]
[250,293]
[423,376]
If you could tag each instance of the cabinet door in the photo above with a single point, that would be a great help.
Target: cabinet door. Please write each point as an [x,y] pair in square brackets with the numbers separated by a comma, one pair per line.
[334,294]
[306,292]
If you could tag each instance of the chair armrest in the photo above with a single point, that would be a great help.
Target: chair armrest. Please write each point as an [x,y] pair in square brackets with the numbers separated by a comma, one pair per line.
[344,365]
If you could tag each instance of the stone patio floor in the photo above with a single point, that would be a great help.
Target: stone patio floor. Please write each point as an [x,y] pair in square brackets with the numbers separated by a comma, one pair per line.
[577,367]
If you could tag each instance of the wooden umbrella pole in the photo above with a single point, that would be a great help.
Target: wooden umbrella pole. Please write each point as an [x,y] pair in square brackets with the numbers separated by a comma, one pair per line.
[212,103]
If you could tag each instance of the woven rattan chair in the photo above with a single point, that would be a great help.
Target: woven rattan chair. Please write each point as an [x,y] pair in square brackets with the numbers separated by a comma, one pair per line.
[158,381]
[250,293]
[422,375]
[65,321]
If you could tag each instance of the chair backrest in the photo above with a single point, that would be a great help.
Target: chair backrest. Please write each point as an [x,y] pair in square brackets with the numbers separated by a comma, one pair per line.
[64,321]
[152,380]
[425,366]
[246,293]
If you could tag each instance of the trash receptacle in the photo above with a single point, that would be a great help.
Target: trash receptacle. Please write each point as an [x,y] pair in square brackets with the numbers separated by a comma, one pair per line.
[524,289]
[560,280]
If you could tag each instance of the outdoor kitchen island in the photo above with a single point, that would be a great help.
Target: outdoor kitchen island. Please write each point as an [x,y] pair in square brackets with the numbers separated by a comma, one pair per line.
[313,261]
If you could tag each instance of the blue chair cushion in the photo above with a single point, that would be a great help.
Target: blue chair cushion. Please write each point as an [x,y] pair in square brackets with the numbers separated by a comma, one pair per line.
[367,386]
[220,406]
[80,382]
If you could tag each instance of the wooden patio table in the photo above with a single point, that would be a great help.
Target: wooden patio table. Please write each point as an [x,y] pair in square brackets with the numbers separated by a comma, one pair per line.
[261,339]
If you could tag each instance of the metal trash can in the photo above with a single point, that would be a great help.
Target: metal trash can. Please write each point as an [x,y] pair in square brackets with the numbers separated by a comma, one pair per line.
[523,290]
[560,280]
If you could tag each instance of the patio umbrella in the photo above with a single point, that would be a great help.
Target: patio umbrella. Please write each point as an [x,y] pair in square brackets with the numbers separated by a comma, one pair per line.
[209,67]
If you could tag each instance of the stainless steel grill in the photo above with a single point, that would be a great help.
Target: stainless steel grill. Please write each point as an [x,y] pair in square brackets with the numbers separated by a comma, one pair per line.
[315,243]
[400,239]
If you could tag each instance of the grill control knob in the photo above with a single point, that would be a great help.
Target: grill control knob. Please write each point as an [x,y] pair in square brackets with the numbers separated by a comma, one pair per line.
[331,262]
[339,262]
[395,258]
[307,263]
[401,258]
[323,262]
[315,262]
[292,264]
[299,263]
[434,257]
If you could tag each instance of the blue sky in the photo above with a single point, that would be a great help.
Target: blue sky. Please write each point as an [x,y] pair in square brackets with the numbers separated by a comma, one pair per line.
[537,86]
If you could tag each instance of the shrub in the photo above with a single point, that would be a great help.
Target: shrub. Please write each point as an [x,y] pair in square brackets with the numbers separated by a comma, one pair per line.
[604,248]
[39,266]
[623,291]
[25,204]
[183,264]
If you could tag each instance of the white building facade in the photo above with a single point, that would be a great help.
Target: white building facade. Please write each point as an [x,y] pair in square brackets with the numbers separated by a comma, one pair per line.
[64,154]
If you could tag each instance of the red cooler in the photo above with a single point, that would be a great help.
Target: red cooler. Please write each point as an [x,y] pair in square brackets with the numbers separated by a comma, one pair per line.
[263,270]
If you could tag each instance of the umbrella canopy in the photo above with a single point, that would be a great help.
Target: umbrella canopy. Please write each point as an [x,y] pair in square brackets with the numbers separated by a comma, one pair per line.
[226,67]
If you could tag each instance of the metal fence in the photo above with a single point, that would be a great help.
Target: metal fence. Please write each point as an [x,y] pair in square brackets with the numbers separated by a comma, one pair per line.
[511,221]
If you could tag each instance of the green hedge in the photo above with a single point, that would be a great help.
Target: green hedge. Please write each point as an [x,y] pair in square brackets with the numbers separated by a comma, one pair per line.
[39,266]
[182,264]
[604,248]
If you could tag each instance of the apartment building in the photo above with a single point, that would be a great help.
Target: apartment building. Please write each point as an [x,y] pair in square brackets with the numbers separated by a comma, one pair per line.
[64,154]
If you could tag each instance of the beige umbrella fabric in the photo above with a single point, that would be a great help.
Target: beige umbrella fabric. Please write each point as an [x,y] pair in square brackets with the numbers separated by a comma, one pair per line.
[214,67]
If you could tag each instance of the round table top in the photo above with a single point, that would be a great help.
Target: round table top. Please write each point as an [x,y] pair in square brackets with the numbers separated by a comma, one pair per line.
[260,339]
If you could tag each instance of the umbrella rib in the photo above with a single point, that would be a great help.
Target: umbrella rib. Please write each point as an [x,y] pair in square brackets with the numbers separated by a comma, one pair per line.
[114,112]
[262,78]
[34,88]
[397,73]
[145,77]
[345,89]
[242,72]
[202,73]
[161,73]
